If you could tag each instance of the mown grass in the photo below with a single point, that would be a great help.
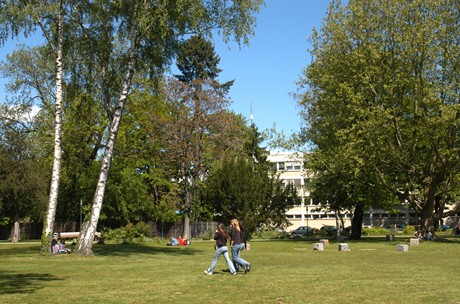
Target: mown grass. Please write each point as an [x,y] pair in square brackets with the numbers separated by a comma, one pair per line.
[285,271]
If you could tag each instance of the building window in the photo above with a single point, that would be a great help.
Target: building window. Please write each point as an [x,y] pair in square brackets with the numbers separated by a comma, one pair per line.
[281,166]
[293,167]
[315,201]
[295,182]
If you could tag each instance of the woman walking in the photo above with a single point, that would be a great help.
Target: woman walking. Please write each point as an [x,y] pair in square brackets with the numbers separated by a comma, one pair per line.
[221,236]
[238,243]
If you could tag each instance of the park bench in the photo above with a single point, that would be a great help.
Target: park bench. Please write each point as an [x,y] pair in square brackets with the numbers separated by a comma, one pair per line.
[75,235]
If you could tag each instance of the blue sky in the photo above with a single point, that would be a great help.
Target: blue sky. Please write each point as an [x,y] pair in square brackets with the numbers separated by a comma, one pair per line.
[265,72]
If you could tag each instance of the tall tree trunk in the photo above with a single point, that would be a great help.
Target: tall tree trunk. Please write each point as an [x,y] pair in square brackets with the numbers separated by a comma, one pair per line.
[188,205]
[15,230]
[54,188]
[357,222]
[88,232]
[427,217]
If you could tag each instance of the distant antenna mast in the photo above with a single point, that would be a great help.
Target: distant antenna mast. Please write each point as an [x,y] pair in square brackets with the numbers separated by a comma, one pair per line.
[254,147]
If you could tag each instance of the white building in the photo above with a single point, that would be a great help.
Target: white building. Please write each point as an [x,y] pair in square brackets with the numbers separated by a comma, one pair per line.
[290,166]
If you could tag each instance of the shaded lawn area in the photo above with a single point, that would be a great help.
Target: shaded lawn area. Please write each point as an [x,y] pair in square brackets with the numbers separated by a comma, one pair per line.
[287,271]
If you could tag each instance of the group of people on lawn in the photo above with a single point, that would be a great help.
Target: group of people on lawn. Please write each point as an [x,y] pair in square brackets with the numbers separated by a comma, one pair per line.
[430,236]
[237,239]
[180,241]
[59,247]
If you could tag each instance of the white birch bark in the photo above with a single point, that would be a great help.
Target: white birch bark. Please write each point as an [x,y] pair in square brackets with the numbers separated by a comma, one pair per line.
[88,232]
[54,188]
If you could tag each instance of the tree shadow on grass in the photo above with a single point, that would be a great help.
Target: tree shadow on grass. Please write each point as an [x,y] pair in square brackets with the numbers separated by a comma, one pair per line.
[18,250]
[13,283]
[135,249]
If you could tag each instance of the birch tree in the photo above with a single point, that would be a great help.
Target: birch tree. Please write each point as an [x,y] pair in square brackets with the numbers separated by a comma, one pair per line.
[48,16]
[140,36]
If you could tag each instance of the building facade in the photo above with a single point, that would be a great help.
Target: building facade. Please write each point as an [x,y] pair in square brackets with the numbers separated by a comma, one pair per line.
[291,168]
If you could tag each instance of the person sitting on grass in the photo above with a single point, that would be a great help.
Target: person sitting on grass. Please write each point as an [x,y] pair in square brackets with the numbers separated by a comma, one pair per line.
[61,246]
[186,241]
[181,240]
[173,242]
[429,236]
[54,247]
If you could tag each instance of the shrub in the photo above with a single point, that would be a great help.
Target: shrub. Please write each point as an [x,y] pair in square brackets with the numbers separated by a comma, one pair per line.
[409,229]
[269,233]
[207,235]
[129,233]
[375,231]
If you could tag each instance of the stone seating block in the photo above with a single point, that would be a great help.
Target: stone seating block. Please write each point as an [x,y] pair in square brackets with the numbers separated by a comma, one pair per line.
[325,242]
[343,247]
[318,246]
[402,247]
[414,242]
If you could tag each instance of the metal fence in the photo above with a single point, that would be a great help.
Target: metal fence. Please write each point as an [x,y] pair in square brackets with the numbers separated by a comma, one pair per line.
[29,231]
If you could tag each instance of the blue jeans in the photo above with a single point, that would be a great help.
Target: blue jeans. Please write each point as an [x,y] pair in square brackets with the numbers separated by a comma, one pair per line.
[236,256]
[222,250]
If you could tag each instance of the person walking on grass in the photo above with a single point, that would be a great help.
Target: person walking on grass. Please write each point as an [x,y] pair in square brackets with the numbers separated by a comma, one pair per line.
[238,245]
[243,236]
[221,236]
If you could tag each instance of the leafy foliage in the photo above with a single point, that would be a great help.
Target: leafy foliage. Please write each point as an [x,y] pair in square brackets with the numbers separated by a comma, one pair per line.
[245,188]
[22,178]
[382,98]
[128,234]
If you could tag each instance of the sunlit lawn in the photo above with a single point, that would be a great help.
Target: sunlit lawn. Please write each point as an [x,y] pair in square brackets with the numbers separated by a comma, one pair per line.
[373,271]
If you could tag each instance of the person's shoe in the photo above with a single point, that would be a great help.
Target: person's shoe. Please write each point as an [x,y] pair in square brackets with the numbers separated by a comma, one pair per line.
[207,272]
[246,268]
[249,266]
[235,273]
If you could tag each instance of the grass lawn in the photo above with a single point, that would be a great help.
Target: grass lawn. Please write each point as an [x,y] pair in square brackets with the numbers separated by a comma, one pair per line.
[286,271]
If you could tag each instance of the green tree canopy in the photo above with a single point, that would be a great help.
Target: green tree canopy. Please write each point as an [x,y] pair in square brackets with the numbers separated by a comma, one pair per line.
[197,59]
[244,187]
[382,93]
[22,178]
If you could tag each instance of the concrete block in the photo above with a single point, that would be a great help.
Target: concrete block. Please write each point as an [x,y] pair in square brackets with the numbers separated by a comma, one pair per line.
[402,247]
[325,242]
[414,242]
[343,247]
[318,246]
